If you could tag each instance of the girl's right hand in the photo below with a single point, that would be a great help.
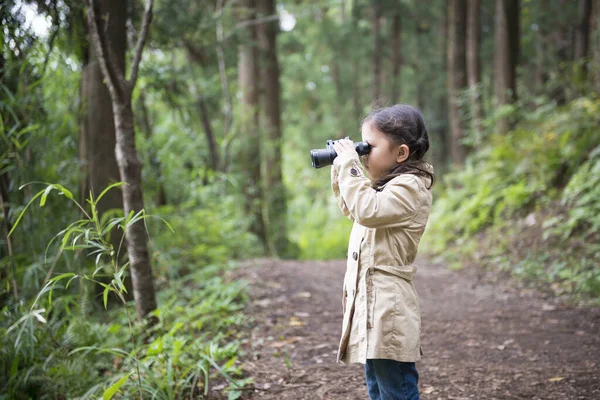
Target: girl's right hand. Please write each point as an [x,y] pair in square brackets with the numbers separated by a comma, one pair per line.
[344,147]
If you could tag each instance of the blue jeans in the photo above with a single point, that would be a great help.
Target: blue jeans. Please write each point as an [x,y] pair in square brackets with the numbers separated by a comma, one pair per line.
[392,380]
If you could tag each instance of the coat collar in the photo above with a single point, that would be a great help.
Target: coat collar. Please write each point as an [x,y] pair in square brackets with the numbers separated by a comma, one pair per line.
[426,181]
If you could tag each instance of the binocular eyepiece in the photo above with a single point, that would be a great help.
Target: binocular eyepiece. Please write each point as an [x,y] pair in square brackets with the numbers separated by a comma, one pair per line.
[323,157]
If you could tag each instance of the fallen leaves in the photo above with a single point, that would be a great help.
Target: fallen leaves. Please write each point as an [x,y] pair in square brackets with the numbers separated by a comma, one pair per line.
[285,342]
[294,321]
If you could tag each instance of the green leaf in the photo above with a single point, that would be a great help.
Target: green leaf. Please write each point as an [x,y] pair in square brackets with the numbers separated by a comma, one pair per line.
[61,276]
[114,185]
[106,289]
[64,191]
[111,391]
[23,212]
[45,195]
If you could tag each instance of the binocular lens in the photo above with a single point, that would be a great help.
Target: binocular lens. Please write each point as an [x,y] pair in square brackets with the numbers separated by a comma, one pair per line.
[324,157]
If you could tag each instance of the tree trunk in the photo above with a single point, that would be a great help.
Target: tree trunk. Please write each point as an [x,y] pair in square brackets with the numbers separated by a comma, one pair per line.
[396,59]
[474,66]
[130,168]
[457,76]
[582,32]
[250,153]
[99,128]
[274,189]
[594,46]
[540,76]
[506,56]
[582,37]
[376,7]
[120,90]
[442,152]
[356,75]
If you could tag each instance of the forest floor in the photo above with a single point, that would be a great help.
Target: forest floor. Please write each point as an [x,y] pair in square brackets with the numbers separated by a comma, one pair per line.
[484,336]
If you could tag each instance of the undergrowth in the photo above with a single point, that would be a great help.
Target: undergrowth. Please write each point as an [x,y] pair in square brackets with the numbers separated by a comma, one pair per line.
[529,202]
[63,338]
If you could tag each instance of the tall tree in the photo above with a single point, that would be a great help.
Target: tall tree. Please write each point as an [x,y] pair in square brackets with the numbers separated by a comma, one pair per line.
[582,34]
[457,76]
[594,46]
[396,58]
[274,189]
[474,65]
[97,128]
[506,56]
[250,152]
[582,31]
[376,53]
[130,168]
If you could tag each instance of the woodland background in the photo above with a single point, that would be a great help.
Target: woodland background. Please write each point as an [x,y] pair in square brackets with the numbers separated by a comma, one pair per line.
[211,132]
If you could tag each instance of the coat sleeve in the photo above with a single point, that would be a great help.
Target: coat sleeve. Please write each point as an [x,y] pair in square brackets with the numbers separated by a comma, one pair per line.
[335,186]
[394,206]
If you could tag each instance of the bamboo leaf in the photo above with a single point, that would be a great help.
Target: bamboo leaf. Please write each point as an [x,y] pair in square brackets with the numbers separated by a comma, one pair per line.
[111,391]
[61,276]
[45,195]
[64,191]
[23,212]
[114,185]
[106,289]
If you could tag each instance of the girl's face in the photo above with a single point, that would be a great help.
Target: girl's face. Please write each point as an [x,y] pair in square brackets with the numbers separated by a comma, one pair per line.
[384,155]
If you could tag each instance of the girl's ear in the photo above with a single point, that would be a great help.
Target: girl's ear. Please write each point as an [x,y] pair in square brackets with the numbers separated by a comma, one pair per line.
[403,153]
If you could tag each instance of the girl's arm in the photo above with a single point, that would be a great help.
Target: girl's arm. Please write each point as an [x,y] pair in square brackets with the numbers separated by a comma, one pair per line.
[396,205]
[335,186]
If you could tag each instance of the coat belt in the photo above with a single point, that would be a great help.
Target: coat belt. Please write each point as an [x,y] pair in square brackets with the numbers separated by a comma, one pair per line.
[395,271]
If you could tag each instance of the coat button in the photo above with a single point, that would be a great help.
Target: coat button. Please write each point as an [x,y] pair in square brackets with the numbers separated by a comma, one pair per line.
[354,172]
[355,256]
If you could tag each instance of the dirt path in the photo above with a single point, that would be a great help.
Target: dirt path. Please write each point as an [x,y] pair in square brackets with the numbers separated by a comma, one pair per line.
[481,339]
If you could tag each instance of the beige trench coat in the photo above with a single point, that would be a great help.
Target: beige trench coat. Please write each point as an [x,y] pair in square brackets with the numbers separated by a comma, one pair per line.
[382,316]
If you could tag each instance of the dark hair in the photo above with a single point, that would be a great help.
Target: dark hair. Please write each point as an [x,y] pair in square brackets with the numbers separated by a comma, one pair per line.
[403,124]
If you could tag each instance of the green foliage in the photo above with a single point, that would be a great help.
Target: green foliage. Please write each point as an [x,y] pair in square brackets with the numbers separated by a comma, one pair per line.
[208,232]
[61,351]
[545,170]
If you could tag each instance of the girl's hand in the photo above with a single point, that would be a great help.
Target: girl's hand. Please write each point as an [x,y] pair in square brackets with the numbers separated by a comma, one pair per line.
[344,147]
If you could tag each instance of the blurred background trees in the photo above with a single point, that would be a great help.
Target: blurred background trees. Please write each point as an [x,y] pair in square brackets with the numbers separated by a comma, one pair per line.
[232,95]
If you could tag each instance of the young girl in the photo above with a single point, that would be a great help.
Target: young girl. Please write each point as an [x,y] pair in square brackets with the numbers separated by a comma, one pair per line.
[390,207]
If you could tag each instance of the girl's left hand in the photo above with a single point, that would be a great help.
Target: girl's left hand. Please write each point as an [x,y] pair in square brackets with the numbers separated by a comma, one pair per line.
[344,147]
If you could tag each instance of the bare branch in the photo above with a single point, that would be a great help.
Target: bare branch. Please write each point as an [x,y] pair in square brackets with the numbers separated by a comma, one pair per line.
[109,70]
[140,43]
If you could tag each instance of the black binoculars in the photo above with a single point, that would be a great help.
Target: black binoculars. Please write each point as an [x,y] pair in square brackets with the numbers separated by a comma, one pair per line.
[324,157]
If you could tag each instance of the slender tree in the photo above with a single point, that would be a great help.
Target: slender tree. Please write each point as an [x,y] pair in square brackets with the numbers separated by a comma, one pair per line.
[120,90]
[274,190]
[457,76]
[582,31]
[396,58]
[582,34]
[250,152]
[594,45]
[474,64]
[376,54]
[97,128]
[506,55]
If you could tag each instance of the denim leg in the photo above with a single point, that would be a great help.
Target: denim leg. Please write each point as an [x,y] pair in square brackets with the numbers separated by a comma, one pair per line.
[396,380]
[372,387]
